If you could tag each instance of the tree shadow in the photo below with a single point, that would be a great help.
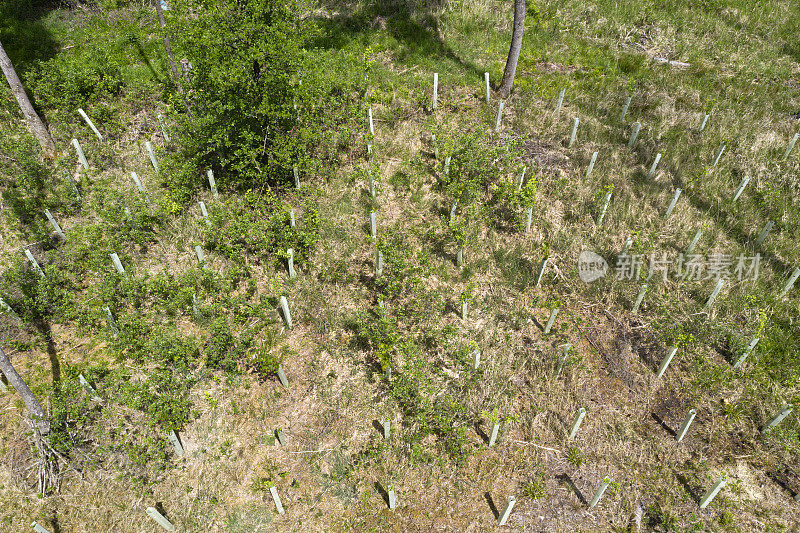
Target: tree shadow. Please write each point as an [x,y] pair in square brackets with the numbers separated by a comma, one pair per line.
[724,350]
[134,40]
[54,523]
[382,491]
[438,243]
[722,211]
[781,478]
[692,491]
[564,478]
[722,215]
[25,38]
[482,434]
[663,424]
[275,433]
[455,308]
[488,497]
[561,422]
[51,353]
[415,28]
[44,329]
[646,348]
[517,270]
[159,506]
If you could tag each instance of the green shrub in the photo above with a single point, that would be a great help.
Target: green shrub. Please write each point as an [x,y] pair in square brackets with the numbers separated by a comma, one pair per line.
[128,217]
[173,295]
[265,361]
[219,350]
[29,187]
[661,518]
[71,409]
[534,487]
[163,395]
[476,163]
[121,290]
[35,298]
[575,456]
[401,275]
[82,76]
[88,245]
[52,296]
[256,226]
[174,350]
[134,332]
[145,457]
[242,88]
[428,411]
[249,69]
[378,332]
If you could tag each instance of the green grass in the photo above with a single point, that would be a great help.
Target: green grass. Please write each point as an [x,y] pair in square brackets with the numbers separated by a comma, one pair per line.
[212,376]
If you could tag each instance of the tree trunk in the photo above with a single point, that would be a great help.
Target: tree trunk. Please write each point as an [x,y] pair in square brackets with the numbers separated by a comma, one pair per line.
[34,121]
[33,405]
[168,48]
[513,52]
[167,45]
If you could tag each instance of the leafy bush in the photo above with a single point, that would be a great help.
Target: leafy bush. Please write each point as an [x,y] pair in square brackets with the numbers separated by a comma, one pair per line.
[28,188]
[23,183]
[164,395]
[401,276]
[35,298]
[243,83]
[174,350]
[259,103]
[467,296]
[219,350]
[476,163]
[173,294]
[70,410]
[256,225]
[508,203]
[427,410]
[134,332]
[266,363]
[83,76]
[380,333]
[129,218]
[482,179]
[139,451]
